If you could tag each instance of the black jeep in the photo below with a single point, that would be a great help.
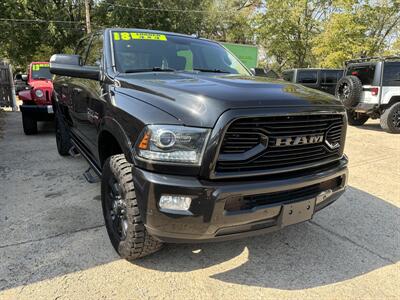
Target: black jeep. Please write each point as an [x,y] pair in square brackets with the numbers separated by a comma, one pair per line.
[320,79]
[189,145]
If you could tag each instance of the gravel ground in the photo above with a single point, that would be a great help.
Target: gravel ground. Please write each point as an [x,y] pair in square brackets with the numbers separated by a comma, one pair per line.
[53,244]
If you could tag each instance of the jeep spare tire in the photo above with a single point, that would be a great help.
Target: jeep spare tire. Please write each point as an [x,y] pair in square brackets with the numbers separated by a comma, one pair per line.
[349,90]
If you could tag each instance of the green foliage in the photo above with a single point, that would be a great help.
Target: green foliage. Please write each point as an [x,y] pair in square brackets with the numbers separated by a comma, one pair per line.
[127,13]
[302,33]
[23,42]
[356,30]
[286,29]
[290,33]
[343,38]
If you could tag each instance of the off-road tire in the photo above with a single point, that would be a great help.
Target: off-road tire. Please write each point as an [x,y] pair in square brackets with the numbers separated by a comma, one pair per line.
[29,124]
[63,138]
[352,95]
[137,243]
[356,119]
[390,121]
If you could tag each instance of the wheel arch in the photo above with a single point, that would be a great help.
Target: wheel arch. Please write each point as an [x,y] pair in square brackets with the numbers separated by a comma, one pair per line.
[113,140]
[393,100]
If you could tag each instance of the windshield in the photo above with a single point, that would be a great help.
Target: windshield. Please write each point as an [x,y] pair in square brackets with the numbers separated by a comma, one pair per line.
[141,52]
[41,71]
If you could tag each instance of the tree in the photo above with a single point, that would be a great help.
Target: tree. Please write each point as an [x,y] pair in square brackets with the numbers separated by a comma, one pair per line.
[231,21]
[24,40]
[286,29]
[184,16]
[356,28]
[343,38]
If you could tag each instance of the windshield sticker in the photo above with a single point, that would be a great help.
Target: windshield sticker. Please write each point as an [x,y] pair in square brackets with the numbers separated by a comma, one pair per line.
[37,67]
[127,36]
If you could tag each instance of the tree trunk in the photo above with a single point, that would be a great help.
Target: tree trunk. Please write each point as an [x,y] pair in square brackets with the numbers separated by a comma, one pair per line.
[87,11]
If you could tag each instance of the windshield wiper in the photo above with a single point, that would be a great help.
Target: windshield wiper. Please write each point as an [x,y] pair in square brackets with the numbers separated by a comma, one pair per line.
[211,70]
[154,69]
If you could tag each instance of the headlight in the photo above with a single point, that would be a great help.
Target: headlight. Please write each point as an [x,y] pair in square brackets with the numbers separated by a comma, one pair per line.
[173,144]
[39,93]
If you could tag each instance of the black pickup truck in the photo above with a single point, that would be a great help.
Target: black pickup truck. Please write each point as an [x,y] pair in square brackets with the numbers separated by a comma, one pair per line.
[189,145]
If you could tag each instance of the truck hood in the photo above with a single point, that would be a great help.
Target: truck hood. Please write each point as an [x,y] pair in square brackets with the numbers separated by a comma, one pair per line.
[198,100]
[41,84]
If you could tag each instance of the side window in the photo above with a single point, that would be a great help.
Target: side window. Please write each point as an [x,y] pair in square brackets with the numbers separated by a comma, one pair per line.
[330,77]
[288,75]
[307,76]
[95,52]
[391,74]
[365,73]
[82,48]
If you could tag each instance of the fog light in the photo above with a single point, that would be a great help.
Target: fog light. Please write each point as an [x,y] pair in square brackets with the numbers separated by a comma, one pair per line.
[173,202]
[321,197]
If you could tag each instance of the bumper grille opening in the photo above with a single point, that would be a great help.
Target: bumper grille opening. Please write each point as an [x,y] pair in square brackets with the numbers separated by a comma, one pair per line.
[294,195]
[241,151]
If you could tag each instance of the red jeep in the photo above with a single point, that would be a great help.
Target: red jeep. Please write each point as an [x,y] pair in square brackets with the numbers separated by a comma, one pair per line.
[37,99]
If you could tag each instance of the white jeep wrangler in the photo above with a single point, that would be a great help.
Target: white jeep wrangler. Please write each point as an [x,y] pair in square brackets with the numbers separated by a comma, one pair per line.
[370,88]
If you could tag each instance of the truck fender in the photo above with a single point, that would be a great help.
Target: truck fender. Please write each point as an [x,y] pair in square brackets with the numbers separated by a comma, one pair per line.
[112,127]
[25,95]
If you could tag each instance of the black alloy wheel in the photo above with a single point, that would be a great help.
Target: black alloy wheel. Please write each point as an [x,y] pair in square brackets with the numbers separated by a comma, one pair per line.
[116,208]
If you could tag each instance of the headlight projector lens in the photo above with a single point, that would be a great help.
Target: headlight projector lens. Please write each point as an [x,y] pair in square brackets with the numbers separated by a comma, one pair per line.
[165,139]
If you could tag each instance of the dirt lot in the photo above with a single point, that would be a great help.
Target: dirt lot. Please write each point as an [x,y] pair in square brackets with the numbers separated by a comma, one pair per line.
[53,244]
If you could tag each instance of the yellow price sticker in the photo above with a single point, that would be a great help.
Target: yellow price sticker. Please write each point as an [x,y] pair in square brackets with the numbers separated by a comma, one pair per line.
[37,67]
[127,36]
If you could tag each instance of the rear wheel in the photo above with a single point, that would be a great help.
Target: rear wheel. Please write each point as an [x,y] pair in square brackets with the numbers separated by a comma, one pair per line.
[390,119]
[29,124]
[63,138]
[121,213]
[355,118]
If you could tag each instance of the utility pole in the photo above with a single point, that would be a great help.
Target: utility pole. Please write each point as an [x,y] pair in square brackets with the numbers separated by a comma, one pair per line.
[87,11]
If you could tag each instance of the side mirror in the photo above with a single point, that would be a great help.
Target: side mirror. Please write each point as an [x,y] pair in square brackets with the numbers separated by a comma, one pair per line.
[71,65]
[24,77]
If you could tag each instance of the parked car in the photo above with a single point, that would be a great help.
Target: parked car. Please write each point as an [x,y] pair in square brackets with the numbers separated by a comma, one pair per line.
[321,79]
[190,146]
[264,73]
[371,89]
[19,83]
[37,98]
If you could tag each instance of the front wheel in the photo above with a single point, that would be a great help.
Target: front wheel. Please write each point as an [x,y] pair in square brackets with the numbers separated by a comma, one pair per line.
[29,124]
[390,119]
[355,118]
[122,217]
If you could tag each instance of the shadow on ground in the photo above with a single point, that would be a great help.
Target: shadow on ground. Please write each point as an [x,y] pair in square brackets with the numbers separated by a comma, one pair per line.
[371,126]
[46,128]
[356,235]
[60,231]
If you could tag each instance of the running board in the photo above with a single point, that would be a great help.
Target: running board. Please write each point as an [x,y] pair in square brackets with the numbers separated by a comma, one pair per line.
[92,165]
[91,176]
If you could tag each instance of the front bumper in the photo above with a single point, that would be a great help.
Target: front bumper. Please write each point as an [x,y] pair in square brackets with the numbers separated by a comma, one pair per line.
[209,220]
[38,112]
